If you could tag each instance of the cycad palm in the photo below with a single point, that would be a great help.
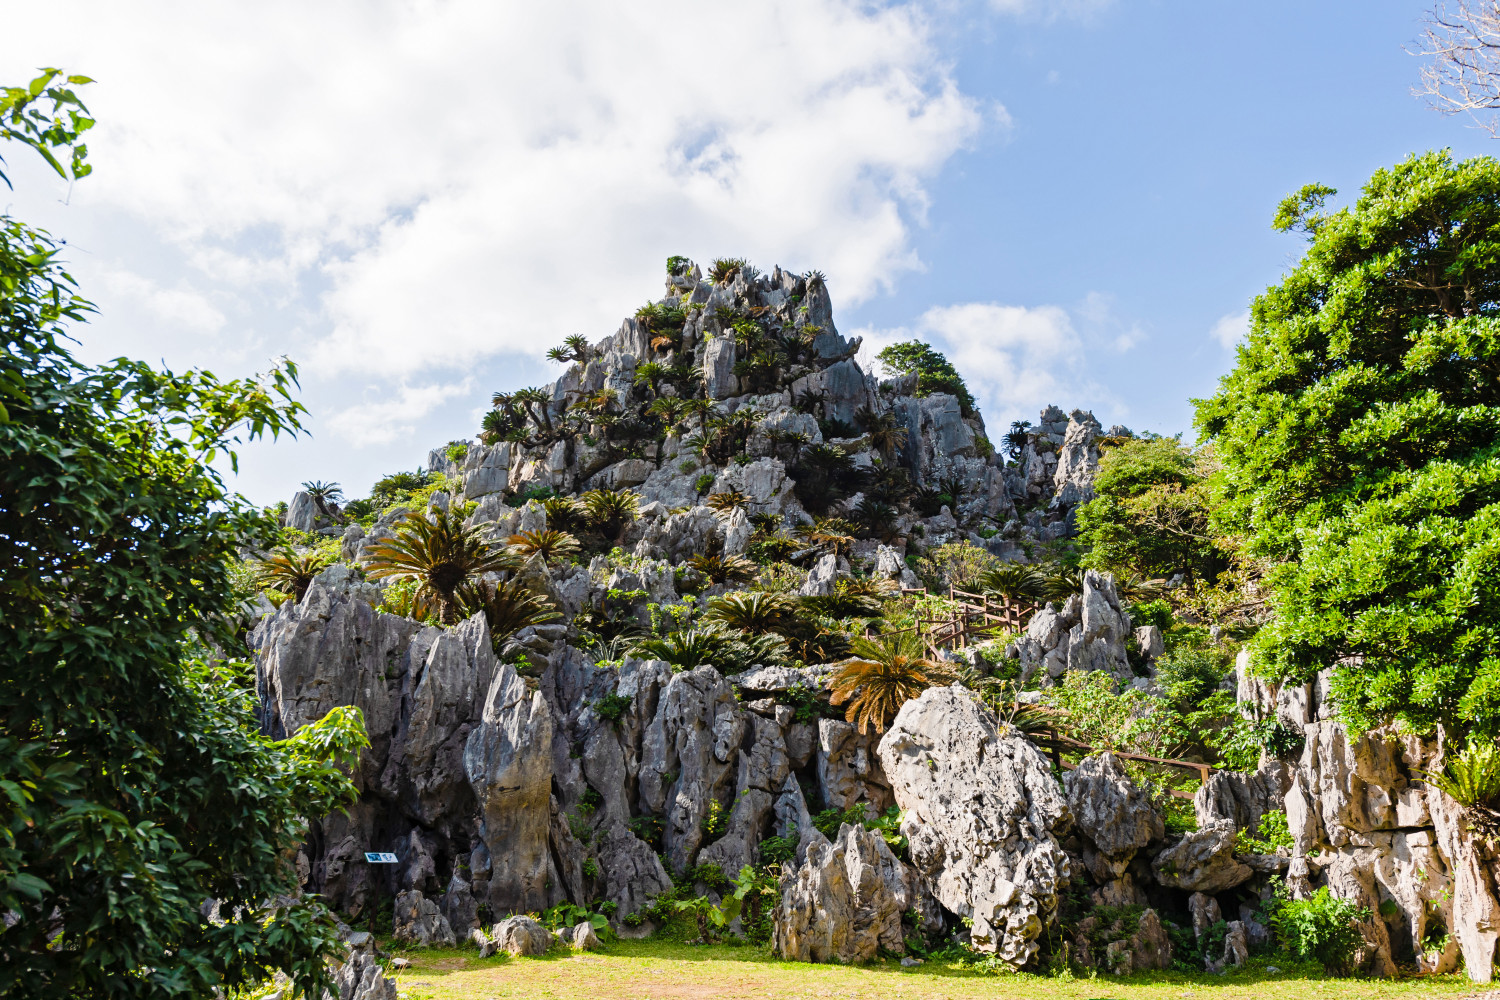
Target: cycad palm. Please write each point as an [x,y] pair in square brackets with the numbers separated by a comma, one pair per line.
[508,607]
[609,511]
[550,544]
[756,613]
[440,554]
[291,572]
[884,676]
[1014,581]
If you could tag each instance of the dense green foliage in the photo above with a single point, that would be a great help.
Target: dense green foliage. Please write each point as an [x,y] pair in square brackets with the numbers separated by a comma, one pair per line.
[935,373]
[1320,927]
[134,785]
[1360,438]
[1149,515]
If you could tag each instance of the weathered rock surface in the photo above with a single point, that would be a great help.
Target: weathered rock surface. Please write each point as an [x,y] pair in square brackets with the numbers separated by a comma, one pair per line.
[844,903]
[1202,861]
[520,936]
[982,814]
[508,759]
[418,922]
[1089,633]
[361,976]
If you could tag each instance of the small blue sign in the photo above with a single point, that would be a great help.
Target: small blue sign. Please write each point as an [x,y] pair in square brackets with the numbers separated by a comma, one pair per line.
[380,858]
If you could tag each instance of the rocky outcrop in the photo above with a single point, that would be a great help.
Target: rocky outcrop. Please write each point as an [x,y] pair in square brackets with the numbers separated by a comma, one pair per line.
[1116,819]
[982,815]
[1202,861]
[361,977]
[844,903]
[1131,942]
[520,936]
[418,922]
[508,760]
[688,755]
[1089,633]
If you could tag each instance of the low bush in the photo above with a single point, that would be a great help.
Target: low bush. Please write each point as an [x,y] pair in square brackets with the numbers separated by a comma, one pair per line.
[1321,927]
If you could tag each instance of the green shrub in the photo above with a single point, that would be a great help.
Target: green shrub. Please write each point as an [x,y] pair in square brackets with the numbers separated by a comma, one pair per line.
[715,821]
[704,482]
[612,707]
[1272,835]
[456,451]
[1321,927]
[1157,612]
[775,850]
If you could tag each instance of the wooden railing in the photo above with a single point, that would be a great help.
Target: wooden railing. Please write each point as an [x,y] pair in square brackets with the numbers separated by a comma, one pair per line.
[1056,743]
[974,616]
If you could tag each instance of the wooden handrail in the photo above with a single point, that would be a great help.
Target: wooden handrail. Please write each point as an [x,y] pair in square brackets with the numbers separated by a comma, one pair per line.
[1204,770]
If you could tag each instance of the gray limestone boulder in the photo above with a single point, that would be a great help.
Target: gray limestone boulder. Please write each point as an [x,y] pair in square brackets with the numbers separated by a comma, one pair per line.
[689,756]
[1243,798]
[520,936]
[1202,861]
[848,768]
[844,903]
[486,470]
[1110,809]
[982,815]
[820,580]
[361,976]
[1077,461]
[418,922]
[719,379]
[302,512]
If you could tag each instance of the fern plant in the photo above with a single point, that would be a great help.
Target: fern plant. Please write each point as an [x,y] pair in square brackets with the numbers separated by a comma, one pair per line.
[1471,776]
[1013,581]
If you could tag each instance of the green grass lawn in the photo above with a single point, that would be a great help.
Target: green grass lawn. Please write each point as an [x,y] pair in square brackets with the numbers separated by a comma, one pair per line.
[657,970]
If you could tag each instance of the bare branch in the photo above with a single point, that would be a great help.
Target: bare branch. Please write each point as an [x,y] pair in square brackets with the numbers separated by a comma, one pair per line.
[1463,40]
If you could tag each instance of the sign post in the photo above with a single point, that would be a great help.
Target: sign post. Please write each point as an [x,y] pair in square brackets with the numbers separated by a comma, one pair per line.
[380,858]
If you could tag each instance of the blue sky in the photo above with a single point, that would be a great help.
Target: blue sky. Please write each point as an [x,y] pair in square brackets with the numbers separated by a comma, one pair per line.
[415,200]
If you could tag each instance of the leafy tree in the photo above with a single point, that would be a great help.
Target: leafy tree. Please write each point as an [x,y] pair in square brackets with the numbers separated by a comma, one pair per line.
[135,787]
[1360,438]
[1150,512]
[935,373]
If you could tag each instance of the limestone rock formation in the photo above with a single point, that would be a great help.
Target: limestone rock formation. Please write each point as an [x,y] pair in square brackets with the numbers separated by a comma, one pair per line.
[418,922]
[508,760]
[844,903]
[1088,633]
[520,936]
[982,814]
[361,976]
[1202,861]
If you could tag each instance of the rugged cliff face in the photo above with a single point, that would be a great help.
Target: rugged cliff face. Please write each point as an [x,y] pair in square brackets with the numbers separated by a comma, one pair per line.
[510,777]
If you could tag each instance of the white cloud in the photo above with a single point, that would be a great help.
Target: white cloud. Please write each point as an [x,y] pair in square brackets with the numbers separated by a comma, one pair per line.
[395,414]
[462,180]
[1231,329]
[1015,359]
[184,308]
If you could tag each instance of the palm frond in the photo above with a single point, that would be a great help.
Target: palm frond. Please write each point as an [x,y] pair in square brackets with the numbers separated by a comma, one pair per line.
[440,554]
